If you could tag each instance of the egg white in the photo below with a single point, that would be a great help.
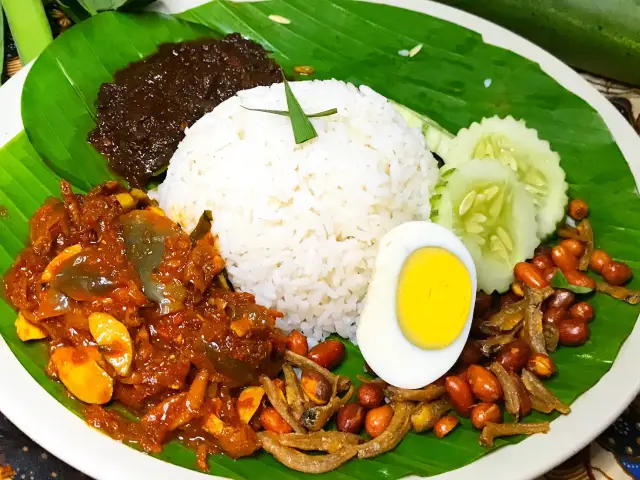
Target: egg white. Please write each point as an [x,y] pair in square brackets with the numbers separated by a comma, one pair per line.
[388,352]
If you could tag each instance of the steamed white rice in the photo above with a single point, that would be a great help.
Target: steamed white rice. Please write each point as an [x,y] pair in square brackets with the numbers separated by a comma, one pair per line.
[299,224]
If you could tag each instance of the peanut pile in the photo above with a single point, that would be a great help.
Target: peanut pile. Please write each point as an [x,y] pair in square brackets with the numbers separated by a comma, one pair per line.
[502,366]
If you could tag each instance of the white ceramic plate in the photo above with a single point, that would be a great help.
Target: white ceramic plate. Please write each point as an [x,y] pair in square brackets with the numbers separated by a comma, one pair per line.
[48,423]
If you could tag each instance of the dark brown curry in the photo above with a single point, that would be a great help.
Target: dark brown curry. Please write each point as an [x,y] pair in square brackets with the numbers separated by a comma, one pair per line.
[142,114]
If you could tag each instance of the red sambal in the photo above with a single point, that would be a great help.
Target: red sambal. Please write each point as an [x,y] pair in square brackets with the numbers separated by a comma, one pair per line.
[138,312]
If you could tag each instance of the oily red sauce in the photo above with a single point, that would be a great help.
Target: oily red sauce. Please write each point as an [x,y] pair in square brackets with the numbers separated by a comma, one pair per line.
[190,359]
[142,114]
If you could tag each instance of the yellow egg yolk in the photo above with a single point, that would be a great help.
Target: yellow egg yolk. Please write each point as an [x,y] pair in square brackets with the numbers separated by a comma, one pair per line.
[433,297]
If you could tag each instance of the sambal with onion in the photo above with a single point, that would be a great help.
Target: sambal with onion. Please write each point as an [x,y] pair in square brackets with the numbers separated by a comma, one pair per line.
[138,312]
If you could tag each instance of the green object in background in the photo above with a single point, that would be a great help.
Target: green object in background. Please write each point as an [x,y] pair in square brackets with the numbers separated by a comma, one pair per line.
[445,80]
[96,6]
[598,36]
[29,27]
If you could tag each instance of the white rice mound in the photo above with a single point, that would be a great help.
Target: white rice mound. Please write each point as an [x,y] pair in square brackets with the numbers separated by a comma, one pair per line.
[298,225]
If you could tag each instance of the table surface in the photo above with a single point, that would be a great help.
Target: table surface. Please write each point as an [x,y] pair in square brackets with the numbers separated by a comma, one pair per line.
[614,456]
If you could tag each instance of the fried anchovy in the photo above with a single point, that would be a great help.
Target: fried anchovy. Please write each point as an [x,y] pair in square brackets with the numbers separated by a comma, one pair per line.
[426,414]
[586,231]
[315,418]
[280,404]
[342,383]
[537,389]
[320,441]
[632,297]
[533,332]
[295,395]
[395,432]
[494,430]
[509,387]
[426,394]
[302,462]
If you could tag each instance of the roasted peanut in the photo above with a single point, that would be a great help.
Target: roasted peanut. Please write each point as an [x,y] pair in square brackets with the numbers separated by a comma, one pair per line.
[327,354]
[561,299]
[470,354]
[508,299]
[599,259]
[541,365]
[255,423]
[563,259]
[485,412]
[579,279]
[297,343]
[616,273]
[377,420]
[484,384]
[316,386]
[578,209]
[370,395]
[573,332]
[514,355]
[445,425]
[460,395]
[351,418]
[529,275]
[554,315]
[273,422]
[483,304]
[542,262]
[542,250]
[582,311]
[462,373]
[548,274]
[523,395]
[573,246]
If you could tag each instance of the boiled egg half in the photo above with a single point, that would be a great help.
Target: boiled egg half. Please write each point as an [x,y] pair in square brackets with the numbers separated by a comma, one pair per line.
[419,305]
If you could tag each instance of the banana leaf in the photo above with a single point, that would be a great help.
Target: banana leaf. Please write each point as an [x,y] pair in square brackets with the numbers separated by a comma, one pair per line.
[356,42]
[96,6]
[26,184]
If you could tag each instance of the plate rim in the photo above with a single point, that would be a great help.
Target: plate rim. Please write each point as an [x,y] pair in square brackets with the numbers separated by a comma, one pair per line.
[51,425]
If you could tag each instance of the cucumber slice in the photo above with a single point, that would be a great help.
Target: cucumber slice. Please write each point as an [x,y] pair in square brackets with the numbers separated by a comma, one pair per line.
[519,147]
[491,212]
[436,137]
